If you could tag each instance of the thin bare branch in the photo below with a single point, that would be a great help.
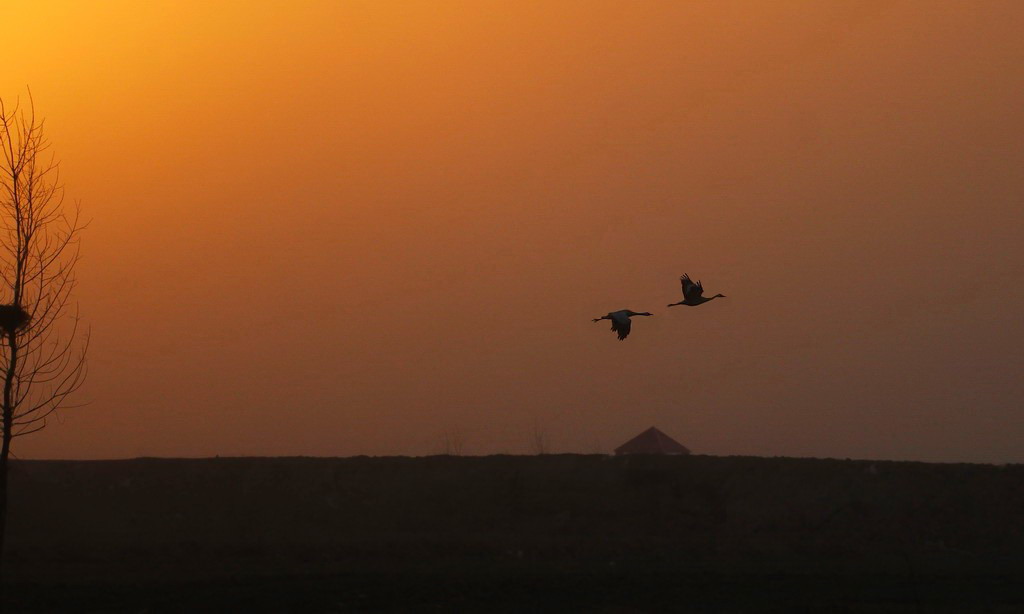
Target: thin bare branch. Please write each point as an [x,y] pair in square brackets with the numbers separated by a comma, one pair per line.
[43,362]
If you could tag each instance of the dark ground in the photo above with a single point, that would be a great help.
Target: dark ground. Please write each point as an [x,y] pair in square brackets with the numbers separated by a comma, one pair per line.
[515,534]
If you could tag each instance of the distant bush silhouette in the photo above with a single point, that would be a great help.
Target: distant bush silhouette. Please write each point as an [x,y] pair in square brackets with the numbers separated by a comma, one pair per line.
[539,443]
[453,443]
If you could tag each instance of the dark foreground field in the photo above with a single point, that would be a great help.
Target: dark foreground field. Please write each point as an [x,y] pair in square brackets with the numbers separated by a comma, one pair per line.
[515,534]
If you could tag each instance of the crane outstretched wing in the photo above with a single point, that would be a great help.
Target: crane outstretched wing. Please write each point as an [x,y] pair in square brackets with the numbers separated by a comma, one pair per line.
[691,290]
[621,325]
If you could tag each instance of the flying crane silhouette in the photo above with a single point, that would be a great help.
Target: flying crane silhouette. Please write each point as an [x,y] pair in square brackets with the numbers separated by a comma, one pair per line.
[693,293]
[621,322]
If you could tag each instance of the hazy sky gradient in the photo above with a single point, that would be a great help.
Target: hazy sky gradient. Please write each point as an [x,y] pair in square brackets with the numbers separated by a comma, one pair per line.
[347,228]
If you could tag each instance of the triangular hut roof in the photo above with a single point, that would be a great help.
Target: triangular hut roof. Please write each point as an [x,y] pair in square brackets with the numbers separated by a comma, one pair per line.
[652,441]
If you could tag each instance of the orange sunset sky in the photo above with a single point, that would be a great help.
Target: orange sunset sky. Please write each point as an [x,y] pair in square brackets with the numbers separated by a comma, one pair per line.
[338,228]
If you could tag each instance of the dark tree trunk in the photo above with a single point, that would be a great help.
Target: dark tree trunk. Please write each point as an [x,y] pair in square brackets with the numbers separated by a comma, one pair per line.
[5,447]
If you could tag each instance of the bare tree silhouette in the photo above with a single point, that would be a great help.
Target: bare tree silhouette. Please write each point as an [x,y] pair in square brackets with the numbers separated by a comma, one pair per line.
[43,355]
[454,441]
[539,443]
